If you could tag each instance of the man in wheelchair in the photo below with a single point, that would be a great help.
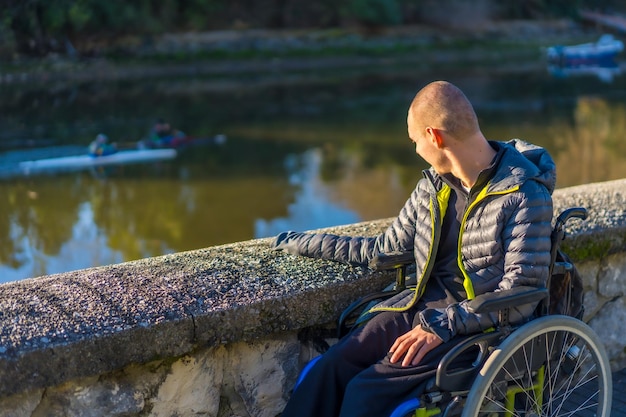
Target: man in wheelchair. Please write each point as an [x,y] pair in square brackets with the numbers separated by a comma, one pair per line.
[478,222]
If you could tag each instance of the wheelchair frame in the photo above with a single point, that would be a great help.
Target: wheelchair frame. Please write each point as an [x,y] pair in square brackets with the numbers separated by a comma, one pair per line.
[553,365]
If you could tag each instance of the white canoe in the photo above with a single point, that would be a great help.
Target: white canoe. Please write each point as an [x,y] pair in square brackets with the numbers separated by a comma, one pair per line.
[86,161]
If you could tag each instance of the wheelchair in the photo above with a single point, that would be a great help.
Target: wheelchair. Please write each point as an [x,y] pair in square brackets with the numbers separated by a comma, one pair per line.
[552,365]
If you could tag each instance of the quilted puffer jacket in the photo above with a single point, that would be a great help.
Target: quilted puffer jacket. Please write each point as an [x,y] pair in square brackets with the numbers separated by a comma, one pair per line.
[504,239]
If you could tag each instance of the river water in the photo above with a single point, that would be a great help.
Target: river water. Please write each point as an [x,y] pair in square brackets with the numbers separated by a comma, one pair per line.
[303,150]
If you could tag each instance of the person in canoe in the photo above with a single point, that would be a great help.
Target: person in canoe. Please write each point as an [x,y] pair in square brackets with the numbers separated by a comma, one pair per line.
[101,146]
[163,135]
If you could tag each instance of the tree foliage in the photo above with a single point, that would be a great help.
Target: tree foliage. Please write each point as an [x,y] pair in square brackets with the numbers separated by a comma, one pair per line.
[41,26]
[374,12]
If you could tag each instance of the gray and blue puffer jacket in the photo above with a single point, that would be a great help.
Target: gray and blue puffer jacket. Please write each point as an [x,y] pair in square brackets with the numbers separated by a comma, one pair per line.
[504,239]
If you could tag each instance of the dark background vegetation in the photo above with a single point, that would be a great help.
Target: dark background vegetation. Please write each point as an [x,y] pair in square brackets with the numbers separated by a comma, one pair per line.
[84,27]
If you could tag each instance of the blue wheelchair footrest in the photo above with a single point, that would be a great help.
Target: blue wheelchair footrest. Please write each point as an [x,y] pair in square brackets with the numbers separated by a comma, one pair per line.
[406,407]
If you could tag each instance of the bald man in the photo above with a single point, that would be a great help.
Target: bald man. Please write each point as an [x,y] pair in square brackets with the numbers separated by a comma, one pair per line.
[478,221]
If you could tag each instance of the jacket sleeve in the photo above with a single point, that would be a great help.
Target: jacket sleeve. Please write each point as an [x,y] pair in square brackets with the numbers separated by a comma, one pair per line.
[399,236]
[526,246]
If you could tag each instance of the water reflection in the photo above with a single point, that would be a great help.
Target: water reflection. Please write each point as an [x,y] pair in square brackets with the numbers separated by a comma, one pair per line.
[312,207]
[299,157]
[605,73]
[128,212]
[86,246]
[593,148]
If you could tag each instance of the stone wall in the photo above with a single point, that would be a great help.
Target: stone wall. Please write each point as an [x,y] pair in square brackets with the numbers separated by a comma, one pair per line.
[219,331]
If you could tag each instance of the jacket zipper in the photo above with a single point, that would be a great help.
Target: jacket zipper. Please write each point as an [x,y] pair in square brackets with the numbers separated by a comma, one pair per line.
[482,195]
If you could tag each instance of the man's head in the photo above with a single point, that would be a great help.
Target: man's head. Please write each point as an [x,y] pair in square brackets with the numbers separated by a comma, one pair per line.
[440,117]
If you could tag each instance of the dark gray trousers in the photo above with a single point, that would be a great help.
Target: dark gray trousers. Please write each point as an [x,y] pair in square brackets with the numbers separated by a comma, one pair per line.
[354,378]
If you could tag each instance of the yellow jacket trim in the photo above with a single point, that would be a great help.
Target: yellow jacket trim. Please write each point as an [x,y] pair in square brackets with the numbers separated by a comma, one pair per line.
[467,281]
[442,198]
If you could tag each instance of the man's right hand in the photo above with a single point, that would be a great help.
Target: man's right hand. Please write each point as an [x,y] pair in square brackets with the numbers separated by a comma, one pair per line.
[413,345]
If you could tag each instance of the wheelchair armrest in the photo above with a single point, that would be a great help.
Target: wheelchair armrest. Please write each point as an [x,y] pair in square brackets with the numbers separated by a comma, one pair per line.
[500,300]
[452,379]
[391,260]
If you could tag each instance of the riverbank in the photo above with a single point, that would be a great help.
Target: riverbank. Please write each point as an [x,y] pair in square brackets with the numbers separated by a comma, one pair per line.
[243,52]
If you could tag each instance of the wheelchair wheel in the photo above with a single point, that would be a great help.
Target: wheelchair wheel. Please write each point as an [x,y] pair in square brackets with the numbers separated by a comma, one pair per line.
[551,366]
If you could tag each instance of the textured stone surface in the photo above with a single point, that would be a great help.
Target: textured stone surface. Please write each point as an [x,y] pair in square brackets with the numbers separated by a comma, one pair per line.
[609,325]
[240,379]
[192,386]
[93,321]
[612,277]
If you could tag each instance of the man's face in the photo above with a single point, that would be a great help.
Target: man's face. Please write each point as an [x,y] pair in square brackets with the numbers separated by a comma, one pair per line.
[425,144]
[418,136]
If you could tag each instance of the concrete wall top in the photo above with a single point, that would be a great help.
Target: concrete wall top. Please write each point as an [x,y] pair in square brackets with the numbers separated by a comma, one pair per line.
[91,321]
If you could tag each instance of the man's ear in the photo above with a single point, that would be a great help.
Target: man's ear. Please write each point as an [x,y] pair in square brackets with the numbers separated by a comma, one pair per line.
[436,137]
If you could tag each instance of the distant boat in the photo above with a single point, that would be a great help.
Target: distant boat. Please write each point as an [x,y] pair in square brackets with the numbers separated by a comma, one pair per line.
[73,163]
[603,51]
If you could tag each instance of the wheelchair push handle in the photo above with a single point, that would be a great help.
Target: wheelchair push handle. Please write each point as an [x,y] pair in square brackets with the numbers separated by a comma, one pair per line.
[577,212]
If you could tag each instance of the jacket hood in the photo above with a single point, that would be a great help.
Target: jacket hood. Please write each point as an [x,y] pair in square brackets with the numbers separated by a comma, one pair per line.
[523,161]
